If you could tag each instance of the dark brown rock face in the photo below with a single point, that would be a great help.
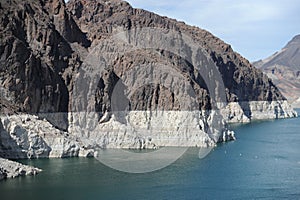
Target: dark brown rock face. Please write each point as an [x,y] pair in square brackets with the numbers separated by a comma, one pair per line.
[37,60]
[242,81]
[44,43]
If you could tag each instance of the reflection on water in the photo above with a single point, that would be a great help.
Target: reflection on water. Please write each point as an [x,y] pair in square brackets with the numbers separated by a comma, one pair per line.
[144,161]
[141,162]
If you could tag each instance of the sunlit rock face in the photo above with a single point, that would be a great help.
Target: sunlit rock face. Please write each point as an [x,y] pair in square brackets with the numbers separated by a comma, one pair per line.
[27,136]
[101,74]
[11,169]
[283,67]
[244,112]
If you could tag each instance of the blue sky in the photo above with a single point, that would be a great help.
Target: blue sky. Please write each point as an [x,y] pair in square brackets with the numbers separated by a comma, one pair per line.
[254,28]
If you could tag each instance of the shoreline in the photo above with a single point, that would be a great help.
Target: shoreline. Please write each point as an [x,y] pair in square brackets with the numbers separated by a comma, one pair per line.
[65,145]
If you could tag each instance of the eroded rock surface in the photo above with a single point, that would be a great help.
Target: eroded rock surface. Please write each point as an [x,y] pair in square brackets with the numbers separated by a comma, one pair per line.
[11,169]
[101,74]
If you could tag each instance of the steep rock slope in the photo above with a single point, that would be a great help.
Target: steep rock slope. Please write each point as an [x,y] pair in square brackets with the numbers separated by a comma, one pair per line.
[106,75]
[37,60]
[284,69]
[244,83]
[240,82]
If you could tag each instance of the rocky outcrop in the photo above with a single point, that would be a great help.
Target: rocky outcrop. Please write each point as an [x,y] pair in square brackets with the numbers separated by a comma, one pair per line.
[11,169]
[244,112]
[283,67]
[101,74]
[151,130]
[27,136]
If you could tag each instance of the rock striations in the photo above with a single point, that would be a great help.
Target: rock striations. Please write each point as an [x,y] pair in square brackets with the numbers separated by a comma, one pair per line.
[100,74]
[283,68]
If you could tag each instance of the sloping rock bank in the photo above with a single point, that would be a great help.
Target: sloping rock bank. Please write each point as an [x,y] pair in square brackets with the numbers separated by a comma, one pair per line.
[244,112]
[11,169]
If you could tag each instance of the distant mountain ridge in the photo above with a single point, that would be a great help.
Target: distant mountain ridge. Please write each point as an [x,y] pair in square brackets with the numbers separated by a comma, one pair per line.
[284,69]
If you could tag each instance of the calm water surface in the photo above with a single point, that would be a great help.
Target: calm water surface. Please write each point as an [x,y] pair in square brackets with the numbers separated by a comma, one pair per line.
[264,163]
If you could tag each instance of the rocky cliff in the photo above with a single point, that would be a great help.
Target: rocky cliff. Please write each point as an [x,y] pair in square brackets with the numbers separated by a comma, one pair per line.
[283,67]
[101,74]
